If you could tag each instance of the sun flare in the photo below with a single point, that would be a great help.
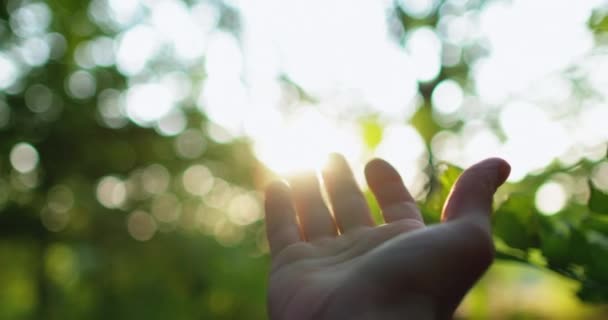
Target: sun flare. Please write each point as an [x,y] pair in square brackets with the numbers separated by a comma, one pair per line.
[303,141]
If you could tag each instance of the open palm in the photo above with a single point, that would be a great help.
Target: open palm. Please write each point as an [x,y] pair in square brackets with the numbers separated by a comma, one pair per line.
[342,266]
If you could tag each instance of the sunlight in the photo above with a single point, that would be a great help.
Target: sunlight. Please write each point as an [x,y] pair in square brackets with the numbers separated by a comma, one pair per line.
[418,8]
[551,198]
[530,131]
[404,148]
[124,11]
[524,52]
[304,141]
[173,21]
[425,50]
[447,97]
[136,47]
[146,103]
[351,65]
[24,157]
[8,71]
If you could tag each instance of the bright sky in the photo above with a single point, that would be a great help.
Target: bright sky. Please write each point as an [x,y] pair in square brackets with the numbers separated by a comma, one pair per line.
[347,58]
[340,52]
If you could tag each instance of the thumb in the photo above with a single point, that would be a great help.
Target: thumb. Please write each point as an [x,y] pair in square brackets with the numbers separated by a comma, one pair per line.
[472,194]
[470,241]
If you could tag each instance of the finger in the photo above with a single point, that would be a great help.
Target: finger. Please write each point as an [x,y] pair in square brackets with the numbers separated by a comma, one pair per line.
[346,199]
[315,218]
[282,227]
[392,195]
[474,190]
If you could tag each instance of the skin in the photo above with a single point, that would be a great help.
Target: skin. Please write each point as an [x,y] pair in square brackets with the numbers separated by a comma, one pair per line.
[332,262]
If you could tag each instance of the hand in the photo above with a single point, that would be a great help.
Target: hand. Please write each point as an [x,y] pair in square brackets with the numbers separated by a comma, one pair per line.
[348,268]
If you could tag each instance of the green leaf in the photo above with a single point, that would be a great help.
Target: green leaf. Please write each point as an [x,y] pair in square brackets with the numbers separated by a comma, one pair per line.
[597,223]
[425,124]
[593,292]
[374,207]
[555,243]
[515,222]
[441,183]
[595,286]
[598,200]
[598,22]
[372,131]
[580,250]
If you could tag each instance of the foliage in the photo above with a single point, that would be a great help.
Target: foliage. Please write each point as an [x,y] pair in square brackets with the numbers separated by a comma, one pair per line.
[571,243]
[63,254]
[67,254]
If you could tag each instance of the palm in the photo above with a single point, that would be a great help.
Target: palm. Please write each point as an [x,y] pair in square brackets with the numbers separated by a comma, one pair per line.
[306,274]
[399,269]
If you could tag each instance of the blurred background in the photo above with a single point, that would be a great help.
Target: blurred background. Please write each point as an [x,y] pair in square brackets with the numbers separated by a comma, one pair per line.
[136,137]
